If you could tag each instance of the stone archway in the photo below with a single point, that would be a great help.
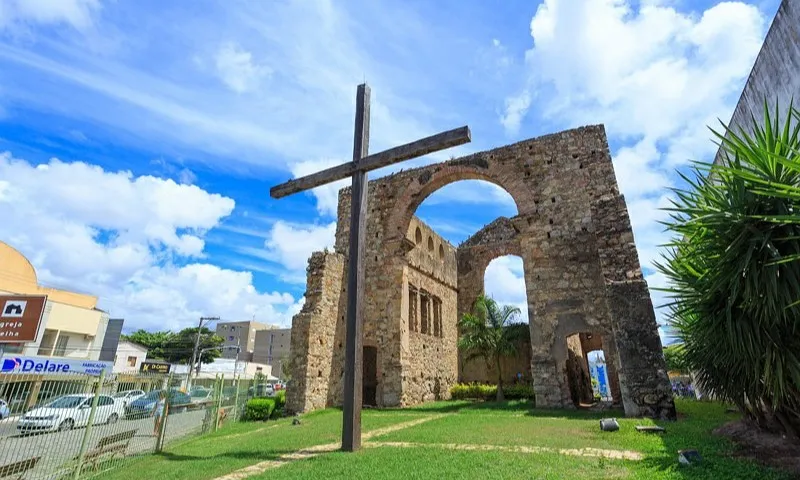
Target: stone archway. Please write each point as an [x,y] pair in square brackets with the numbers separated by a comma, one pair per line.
[581,271]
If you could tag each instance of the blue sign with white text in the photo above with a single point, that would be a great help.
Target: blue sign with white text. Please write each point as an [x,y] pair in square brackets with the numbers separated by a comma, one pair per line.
[45,365]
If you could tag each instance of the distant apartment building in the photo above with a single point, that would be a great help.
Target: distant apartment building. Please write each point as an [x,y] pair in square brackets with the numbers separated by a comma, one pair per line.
[272,348]
[258,342]
[72,326]
[242,334]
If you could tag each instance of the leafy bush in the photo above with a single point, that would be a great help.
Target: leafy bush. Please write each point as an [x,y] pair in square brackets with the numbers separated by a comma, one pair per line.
[734,266]
[465,391]
[518,392]
[259,409]
[280,399]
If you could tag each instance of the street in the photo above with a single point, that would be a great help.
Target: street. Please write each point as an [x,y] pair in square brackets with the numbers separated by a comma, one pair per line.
[57,449]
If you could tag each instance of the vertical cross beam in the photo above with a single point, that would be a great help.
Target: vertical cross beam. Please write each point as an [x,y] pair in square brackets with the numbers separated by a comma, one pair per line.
[354,350]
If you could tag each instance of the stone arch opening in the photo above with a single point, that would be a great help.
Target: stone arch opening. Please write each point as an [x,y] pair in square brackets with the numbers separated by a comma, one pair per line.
[431,181]
[501,277]
[591,368]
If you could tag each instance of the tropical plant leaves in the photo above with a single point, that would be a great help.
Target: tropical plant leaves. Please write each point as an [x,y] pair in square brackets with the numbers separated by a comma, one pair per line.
[734,269]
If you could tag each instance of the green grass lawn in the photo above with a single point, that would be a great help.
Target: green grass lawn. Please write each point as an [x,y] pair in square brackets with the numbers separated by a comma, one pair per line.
[420,451]
[242,444]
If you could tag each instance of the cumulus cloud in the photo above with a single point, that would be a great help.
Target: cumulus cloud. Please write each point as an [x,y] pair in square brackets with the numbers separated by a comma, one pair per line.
[77,13]
[516,108]
[504,280]
[656,77]
[289,245]
[237,69]
[129,240]
[327,196]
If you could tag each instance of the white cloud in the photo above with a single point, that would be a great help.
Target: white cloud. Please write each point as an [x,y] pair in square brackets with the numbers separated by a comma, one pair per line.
[654,76]
[504,281]
[516,108]
[77,13]
[290,245]
[327,195]
[125,239]
[236,68]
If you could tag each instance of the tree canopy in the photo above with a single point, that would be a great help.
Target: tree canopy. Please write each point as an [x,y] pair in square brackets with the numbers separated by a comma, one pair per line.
[177,347]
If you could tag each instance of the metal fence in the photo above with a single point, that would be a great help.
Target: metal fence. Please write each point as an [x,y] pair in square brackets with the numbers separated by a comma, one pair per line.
[64,426]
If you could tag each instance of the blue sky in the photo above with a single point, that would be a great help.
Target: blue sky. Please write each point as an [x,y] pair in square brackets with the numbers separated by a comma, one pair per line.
[164,124]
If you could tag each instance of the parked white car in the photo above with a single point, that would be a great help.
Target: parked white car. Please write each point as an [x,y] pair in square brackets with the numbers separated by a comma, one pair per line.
[69,411]
[128,396]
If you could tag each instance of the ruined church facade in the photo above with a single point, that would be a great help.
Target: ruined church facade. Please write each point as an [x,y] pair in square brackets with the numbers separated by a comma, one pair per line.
[584,284]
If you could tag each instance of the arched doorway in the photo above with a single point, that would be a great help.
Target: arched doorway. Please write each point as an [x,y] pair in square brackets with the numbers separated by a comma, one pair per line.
[448,231]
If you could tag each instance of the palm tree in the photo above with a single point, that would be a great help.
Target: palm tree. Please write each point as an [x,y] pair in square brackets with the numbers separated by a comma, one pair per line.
[490,333]
[734,269]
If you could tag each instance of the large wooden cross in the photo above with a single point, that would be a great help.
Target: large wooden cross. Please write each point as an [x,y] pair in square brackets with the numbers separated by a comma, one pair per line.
[358,168]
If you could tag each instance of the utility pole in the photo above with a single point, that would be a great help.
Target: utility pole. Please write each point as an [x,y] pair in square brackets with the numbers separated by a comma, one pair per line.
[195,358]
[238,329]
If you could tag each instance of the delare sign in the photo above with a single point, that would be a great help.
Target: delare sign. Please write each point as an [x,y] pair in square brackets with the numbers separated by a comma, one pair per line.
[20,317]
[47,365]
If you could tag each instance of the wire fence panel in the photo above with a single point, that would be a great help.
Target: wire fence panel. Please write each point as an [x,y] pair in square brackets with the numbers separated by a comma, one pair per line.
[75,426]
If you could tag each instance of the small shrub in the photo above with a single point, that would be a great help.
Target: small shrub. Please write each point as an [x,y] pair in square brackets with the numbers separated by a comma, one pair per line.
[466,391]
[518,392]
[280,399]
[259,409]
[477,391]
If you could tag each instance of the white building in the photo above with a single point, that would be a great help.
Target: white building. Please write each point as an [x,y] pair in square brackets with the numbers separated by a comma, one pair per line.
[129,357]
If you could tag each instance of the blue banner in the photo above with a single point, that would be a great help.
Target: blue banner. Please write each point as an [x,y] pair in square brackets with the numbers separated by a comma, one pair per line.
[48,365]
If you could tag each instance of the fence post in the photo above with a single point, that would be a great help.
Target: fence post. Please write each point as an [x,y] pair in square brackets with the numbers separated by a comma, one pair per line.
[237,378]
[164,415]
[219,401]
[88,431]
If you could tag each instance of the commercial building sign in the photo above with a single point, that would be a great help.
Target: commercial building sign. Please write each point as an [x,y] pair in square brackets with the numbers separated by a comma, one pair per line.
[154,367]
[20,317]
[48,365]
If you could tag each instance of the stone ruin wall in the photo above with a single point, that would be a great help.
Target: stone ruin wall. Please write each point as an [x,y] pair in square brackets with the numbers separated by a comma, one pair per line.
[581,267]
[429,340]
[314,334]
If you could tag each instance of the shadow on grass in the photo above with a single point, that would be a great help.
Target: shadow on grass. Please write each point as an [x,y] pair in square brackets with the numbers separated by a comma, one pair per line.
[260,456]
[693,430]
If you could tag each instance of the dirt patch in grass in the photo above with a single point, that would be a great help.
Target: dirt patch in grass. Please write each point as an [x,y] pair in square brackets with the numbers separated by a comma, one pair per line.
[577,452]
[770,449]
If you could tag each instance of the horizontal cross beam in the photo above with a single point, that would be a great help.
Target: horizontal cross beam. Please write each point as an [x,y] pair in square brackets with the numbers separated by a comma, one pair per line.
[434,143]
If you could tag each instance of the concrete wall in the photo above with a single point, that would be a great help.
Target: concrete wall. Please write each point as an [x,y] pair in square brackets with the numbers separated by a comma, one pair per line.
[776,72]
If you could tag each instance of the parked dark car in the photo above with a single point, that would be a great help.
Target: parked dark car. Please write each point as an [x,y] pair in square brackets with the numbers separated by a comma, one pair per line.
[179,402]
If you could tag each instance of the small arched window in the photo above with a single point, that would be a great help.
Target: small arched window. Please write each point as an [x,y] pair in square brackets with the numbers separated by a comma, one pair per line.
[418,236]
[430,244]
[441,252]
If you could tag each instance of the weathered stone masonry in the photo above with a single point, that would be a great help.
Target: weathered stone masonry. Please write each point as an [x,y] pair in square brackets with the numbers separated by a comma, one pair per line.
[581,269]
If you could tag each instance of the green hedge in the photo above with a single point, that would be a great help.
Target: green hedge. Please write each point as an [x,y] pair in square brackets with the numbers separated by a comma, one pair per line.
[280,399]
[259,409]
[464,391]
